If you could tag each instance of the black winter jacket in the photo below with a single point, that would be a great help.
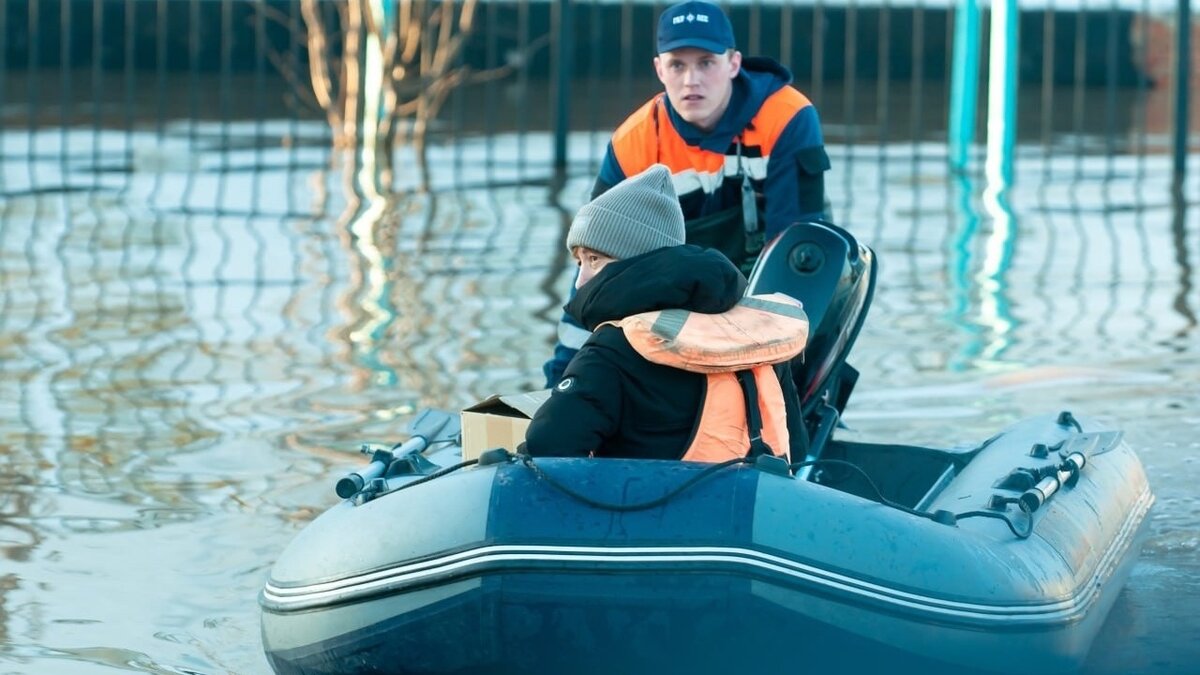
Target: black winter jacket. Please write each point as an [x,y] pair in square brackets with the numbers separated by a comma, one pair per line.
[611,400]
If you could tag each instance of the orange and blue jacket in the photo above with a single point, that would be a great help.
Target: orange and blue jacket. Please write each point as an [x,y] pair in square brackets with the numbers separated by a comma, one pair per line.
[774,127]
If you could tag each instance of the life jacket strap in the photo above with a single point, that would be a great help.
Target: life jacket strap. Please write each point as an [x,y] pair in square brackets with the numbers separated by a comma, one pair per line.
[754,423]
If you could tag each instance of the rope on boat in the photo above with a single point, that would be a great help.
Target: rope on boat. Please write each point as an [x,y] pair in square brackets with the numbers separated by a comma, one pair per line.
[437,474]
[637,506]
[943,517]
[940,516]
[999,516]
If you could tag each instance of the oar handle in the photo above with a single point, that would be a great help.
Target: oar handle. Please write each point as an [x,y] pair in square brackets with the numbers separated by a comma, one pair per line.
[1067,473]
[417,443]
[354,482]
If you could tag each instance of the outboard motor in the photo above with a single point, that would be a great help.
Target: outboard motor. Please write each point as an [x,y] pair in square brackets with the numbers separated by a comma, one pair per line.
[833,275]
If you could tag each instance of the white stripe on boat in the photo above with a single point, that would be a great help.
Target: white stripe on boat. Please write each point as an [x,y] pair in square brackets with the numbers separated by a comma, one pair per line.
[466,563]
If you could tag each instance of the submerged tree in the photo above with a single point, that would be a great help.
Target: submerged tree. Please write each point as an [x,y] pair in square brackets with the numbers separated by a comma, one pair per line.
[382,69]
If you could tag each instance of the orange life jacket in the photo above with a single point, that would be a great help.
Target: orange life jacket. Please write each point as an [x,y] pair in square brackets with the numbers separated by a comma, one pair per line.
[743,400]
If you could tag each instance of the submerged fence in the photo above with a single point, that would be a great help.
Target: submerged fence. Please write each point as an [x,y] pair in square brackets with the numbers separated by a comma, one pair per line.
[253,110]
[878,73]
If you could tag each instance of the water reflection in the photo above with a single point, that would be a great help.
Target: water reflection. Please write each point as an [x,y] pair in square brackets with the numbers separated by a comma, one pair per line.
[994,310]
[1179,240]
[961,263]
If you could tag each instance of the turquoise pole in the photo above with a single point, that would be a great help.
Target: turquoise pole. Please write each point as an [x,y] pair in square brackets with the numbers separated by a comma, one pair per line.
[387,27]
[995,311]
[1002,94]
[964,85]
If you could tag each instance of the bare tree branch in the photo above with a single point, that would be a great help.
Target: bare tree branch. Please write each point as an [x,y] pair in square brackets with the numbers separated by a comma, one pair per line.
[302,90]
[418,48]
[318,68]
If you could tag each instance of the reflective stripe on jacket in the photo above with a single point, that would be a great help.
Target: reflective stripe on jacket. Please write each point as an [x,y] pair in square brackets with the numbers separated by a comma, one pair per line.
[648,137]
[756,333]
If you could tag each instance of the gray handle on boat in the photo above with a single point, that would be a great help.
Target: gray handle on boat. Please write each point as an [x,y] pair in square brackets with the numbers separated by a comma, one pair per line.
[417,443]
[353,483]
[1066,474]
[428,427]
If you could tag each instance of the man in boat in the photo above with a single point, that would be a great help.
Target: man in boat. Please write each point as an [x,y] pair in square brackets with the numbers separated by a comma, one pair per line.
[744,147]
[678,364]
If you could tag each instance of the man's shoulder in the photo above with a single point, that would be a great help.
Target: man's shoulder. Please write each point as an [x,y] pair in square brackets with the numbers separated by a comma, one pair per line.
[634,142]
[779,109]
[786,102]
[638,121]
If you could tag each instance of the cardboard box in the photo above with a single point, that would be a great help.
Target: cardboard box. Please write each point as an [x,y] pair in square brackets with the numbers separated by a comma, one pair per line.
[498,422]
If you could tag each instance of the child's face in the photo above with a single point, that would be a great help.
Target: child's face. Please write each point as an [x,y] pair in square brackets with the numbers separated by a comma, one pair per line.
[590,263]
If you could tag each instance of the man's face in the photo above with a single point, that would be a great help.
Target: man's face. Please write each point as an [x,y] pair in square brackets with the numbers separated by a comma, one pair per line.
[699,83]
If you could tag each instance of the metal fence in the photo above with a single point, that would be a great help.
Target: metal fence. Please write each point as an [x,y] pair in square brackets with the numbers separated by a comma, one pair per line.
[878,73]
[196,123]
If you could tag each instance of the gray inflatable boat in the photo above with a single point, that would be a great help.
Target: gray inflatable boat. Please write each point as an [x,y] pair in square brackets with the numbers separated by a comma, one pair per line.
[1002,557]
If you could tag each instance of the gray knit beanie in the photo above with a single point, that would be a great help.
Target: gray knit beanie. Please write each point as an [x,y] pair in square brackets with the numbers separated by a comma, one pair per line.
[638,215]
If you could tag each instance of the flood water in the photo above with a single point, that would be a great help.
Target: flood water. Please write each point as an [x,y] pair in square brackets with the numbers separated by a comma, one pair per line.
[198,328]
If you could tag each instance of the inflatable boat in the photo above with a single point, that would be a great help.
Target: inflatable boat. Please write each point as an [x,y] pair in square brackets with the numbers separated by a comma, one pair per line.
[1001,557]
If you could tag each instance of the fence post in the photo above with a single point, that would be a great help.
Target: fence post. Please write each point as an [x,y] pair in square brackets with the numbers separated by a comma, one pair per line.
[1183,76]
[1002,91]
[562,84]
[964,85]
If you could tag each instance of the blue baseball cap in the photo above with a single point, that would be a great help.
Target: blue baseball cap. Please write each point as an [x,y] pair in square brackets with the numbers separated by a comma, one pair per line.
[694,24]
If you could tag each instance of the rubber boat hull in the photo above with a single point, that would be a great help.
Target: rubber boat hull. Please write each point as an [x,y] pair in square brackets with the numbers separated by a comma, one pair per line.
[494,569]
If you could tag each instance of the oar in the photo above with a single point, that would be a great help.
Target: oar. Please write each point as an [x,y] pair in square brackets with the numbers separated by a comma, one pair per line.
[428,427]
[1076,453]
